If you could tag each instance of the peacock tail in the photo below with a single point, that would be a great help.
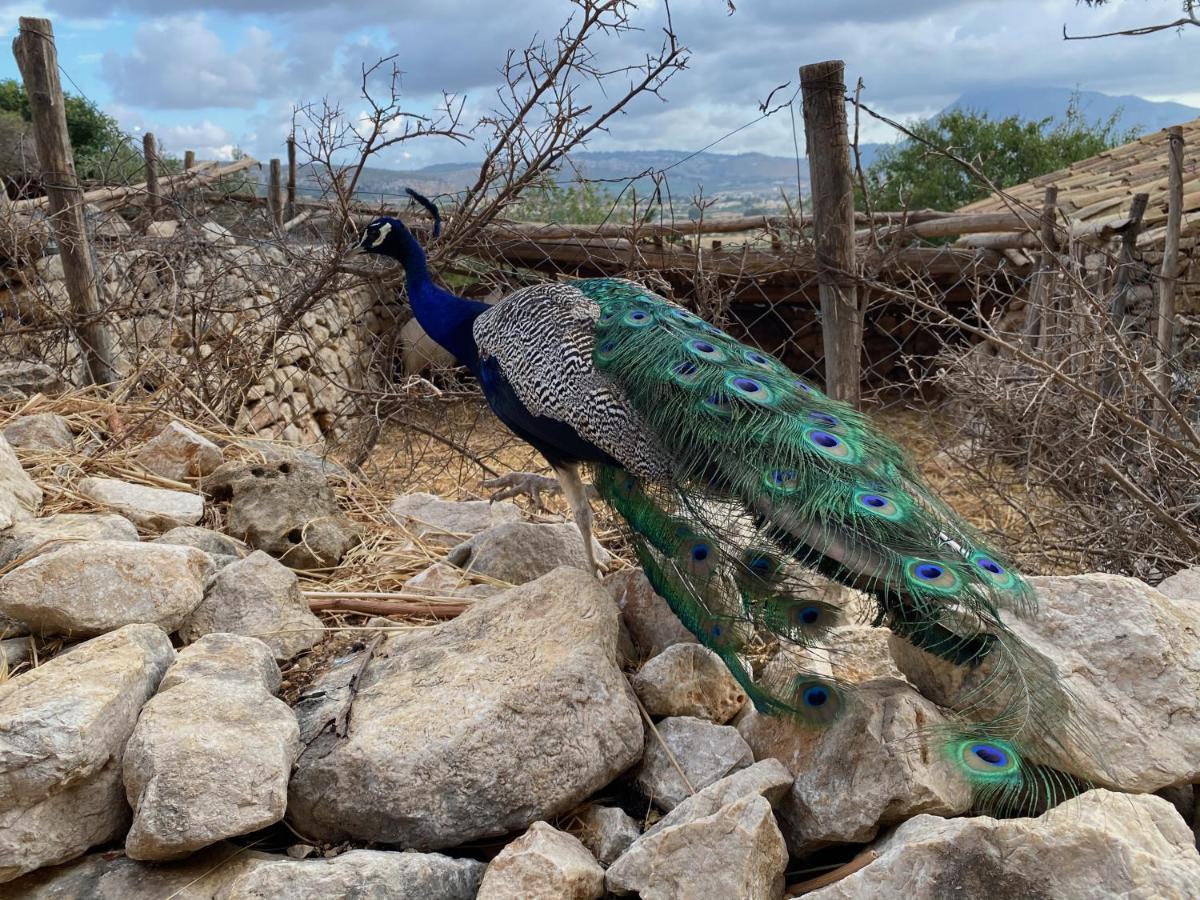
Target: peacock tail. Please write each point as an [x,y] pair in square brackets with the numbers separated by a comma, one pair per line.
[770,478]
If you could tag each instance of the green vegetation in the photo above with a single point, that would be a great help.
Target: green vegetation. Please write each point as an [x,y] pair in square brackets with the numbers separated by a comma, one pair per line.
[914,175]
[580,203]
[102,150]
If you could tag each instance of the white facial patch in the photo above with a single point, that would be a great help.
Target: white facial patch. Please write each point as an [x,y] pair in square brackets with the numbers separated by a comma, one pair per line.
[384,230]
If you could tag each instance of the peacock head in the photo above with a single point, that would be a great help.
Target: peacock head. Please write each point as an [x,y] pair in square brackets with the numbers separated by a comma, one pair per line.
[391,237]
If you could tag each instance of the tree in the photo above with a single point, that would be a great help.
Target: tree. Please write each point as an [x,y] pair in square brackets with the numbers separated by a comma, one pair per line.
[915,175]
[1191,16]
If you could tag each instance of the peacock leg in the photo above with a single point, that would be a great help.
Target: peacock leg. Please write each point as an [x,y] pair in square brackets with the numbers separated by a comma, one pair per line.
[576,493]
[527,483]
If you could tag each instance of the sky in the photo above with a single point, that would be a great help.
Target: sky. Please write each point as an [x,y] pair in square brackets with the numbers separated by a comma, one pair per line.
[225,74]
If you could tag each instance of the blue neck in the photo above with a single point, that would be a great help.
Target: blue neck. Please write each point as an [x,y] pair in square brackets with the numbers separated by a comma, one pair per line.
[445,317]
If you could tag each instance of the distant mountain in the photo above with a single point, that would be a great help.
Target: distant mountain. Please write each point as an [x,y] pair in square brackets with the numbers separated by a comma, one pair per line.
[1042,102]
[753,181]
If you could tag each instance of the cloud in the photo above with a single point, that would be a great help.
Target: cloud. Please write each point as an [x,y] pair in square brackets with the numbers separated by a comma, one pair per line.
[179,63]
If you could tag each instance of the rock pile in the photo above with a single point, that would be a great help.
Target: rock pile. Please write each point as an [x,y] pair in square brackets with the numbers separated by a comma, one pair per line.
[562,738]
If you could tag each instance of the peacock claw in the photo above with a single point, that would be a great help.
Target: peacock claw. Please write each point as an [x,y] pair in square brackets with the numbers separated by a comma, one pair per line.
[527,483]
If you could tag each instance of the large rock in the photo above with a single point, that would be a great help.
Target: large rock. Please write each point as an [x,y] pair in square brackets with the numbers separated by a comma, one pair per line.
[24,379]
[1097,846]
[1129,658]
[688,680]
[606,831]
[285,508]
[872,767]
[256,596]
[517,552]
[769,779]
[543,864]
[702,752]
[858,653]
[40,431]
[88,588]
[211,542]
[179,453]
[151,508]
[647,616]
[737,852]
[27,538]
[445,523]
[63,728]
[212,750]
[20,498]
[513,712]
[441,580]
[374,874]
[1183,586]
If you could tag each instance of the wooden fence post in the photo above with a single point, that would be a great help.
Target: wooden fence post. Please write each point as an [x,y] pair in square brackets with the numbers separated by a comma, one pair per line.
[1170,260]
[291,178]
[189,159]
[1125,266]
[1039,322]
[38,61]
[150,152]
[825,130]
[274,195]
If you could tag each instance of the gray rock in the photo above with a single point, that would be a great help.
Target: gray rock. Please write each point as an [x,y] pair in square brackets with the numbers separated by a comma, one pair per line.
[870,768]
[27,538]
[256,596]
[211,542]
[859,653]
[24,379]
[1183,586]
[1097,846]
[284,508]
[20,498]
[543,864]
[39,431]
[513,712]
[151,508]
[705,752]
[650,621]
[688,680]
[212,750]
[179,453]
[88,588]
[108,876]
[737,852]
[374,874]
[441,580]
[518,552]
[63,728]
[1130,659]
[769,779]
[218,234]
[165,228]
[445,523]
[606,831]
[14,652]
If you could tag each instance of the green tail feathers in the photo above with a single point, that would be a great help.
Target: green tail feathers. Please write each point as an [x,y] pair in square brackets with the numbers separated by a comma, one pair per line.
[772,478]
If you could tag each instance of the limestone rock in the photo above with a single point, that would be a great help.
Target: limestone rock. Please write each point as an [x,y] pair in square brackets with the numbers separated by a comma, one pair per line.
[285,508]
[217,234]
[517,552]
[20,498]
[606,831]
[374,874]
[211,542]
[705,752]
[162,229]
[769,779]
[1131,659]
[870,768]
[647,616]
[735,852]
[155,509]
[441,580]
[24,379]
[543,864]
[256,596]
[27,538]
[859,653]
[1094,847]
[688,680]
[513,712]
[88,588]
[39,431]
[421,352]
[179,453]
[212,750]
[63,728]
[1183,586]
[445,523]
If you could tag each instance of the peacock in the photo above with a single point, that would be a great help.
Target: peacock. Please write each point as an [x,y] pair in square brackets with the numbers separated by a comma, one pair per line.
[737,478]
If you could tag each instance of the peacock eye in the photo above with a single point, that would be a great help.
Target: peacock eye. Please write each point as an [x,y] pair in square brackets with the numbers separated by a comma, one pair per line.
[815,696]
[823,419]
[824,439]
[929,572]
[989,565]
[801,386]
[990,754]
[809,615]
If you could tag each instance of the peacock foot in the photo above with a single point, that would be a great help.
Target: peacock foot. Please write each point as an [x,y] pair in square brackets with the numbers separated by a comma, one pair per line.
[527,483]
